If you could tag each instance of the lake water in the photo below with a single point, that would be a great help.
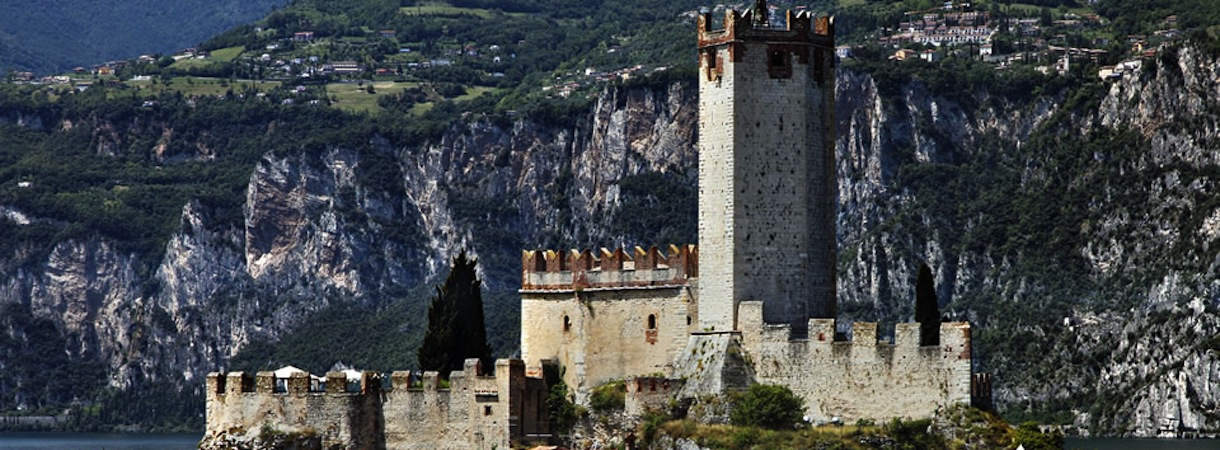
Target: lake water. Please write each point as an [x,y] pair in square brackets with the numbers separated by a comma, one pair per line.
[98,441]
[131,441]
[1140,444]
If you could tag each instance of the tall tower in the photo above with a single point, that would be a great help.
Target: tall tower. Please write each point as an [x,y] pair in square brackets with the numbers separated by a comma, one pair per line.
[766,168]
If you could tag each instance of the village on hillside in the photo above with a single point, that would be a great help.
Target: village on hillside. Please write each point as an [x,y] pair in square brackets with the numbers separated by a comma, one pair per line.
[366,73]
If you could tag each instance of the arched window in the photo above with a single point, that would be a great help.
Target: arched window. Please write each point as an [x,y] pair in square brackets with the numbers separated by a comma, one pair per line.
[652,321]
[567,324]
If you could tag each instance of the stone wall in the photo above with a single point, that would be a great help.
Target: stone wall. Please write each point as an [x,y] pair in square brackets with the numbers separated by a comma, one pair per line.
[412,412]
[650,393]
[862,378]
[602,325]
[766,170]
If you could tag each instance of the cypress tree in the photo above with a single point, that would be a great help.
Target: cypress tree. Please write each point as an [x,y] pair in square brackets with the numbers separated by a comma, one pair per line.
[927,308]
[455,321]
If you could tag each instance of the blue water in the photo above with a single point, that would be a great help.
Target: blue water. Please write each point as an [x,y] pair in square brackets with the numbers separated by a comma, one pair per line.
[137,441]
[1141,444]
[98,441]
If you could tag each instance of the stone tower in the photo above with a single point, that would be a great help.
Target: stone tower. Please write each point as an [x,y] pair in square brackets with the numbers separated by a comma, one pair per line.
[767,182]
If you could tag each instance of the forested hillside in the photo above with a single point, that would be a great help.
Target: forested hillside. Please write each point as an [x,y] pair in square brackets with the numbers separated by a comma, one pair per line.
[247,209]
[55,36]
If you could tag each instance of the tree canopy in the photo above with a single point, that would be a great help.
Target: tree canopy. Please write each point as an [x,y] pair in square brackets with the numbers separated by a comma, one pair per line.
[455,321]
[927,308]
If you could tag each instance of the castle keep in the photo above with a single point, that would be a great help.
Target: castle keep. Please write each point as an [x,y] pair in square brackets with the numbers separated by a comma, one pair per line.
[753,303]
[766,168]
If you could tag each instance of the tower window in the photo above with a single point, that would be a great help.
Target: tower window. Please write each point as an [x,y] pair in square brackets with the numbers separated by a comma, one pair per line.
[567,324]
[777,58]
[779,62]
[652,321]
[486,410]
[688,321]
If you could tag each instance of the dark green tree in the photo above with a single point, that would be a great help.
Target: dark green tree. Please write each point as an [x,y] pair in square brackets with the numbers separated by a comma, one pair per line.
[768,406]
[927,308]
[456,329]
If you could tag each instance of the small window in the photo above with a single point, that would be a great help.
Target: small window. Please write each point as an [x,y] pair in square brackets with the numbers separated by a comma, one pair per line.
[567,324]
[486,410]
[652,321]
[777,58]
[688,321]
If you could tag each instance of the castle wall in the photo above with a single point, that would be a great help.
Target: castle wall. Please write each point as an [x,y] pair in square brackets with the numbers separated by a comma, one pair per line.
[608,337]
[473,411]
[242,403]
[766,175]
[861,378]
[606,316]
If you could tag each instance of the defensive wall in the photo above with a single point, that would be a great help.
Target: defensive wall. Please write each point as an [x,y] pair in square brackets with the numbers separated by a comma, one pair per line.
[476,409]
[607,315]
[861,378]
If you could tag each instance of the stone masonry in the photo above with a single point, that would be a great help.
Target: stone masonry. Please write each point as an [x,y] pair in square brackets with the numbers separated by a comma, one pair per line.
[605,315]
[766,169]
[475,410]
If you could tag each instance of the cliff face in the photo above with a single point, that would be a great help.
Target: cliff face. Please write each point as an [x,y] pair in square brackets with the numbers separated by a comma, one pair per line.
[1130,328]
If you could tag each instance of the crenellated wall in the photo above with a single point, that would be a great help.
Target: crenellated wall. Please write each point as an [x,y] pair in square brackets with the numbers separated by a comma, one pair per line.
[474,410]
[862,378]
[550,270]
[607,316]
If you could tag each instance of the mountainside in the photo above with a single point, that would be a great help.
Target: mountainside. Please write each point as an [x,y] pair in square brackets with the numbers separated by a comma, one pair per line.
[53,36]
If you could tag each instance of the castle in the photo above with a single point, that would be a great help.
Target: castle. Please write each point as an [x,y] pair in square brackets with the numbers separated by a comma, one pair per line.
[753,303]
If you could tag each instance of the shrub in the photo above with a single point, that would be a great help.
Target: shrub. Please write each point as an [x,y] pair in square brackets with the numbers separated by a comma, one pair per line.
[1028,436]
[609,396]
[562,412]
[768,406]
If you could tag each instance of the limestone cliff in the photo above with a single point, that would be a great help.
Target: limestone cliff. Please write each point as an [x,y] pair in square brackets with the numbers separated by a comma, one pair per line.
[1125,320]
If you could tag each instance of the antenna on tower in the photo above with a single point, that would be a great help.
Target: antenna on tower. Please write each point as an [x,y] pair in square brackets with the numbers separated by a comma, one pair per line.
[762,14]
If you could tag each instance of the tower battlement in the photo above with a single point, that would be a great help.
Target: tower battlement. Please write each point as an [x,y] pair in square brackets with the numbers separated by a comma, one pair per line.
[800,25]
[550,270]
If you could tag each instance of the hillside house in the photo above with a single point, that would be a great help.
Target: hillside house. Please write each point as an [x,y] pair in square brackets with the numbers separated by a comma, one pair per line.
[346,68]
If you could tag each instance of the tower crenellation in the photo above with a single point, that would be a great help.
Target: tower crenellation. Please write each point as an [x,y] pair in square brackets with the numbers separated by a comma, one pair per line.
[551,270]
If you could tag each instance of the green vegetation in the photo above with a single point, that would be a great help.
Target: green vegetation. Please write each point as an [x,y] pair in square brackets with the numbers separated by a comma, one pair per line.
[444,9]
[456,330]
[227,54]
[356,97]
[768,406]
[1028,436]
[561,411]
[957,428]
[657,207]
[608,397]
[927,308]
